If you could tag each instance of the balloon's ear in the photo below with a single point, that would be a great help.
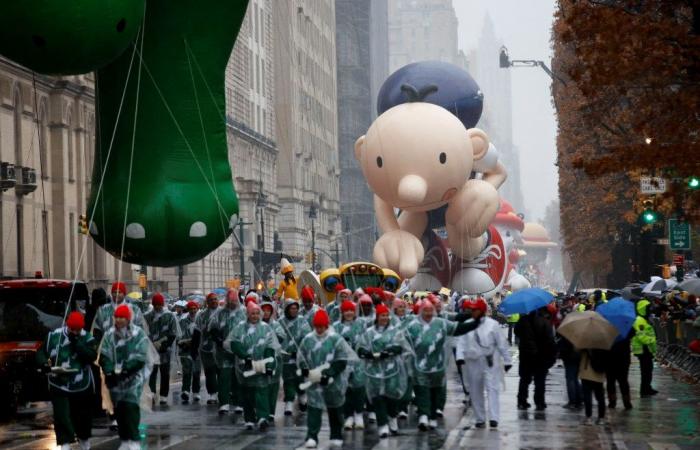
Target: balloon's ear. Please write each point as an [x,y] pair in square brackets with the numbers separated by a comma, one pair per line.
[480,142]
[359,146]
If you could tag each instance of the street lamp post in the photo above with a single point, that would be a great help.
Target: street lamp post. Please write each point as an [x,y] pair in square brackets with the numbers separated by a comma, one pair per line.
[312,216]
[262,202]
[505,62]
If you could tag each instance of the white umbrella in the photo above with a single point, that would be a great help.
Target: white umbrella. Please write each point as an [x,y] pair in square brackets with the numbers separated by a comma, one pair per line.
[588,329]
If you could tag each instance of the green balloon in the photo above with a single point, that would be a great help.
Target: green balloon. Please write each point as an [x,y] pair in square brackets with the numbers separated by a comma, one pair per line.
[182,200]
[68,37]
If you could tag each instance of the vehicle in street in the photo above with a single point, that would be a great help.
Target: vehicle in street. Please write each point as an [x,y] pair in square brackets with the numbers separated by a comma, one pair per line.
[29,309]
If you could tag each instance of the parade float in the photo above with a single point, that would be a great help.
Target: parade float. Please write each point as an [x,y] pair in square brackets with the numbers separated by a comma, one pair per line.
[536,244]
[161,189]
[423,158]
[511,226]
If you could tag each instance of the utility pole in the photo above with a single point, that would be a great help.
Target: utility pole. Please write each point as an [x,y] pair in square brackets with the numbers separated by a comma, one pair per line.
[180,287]
[347,239]
[337,254]
[241,245]
[312,216]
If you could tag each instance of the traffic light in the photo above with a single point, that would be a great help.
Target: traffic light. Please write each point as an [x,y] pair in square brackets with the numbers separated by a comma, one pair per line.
[649,216]
[83,225]
[694,182]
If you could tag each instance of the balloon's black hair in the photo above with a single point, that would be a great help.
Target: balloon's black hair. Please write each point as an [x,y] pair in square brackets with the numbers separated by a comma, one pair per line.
[415,95]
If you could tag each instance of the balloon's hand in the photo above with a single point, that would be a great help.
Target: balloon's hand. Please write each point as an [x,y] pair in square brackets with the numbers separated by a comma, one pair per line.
[400,251]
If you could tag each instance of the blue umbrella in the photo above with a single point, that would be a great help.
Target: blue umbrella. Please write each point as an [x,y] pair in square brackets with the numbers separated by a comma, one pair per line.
[620,313]
[526,300]
[220,291]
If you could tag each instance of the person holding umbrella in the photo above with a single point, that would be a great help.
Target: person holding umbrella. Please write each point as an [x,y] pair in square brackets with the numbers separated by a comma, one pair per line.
[621,314]
[644,347]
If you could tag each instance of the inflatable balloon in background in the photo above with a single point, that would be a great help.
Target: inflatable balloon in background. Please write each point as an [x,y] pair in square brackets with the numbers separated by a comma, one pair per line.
[59,37]
[182,202]
[510,226]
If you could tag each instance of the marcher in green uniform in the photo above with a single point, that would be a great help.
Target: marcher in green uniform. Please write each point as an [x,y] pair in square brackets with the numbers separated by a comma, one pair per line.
[66,356]
[220,325]
[351,329]
[644,347]
[324,355]
[269,311]
[402,318]
[162,331]
[203,347]
[290,330]
[104,319]
[255,345]
[123,358]
[191,368]
[381,349]
[333,308]
[366,310]
[428,335]
[309,304]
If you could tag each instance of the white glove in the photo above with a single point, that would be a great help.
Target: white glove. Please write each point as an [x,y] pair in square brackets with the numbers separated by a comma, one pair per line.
[259,366]
[315,375]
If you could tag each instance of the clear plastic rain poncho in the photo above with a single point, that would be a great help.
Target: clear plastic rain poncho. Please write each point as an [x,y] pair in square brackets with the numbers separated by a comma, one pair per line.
[388,376]
[272,322]
[290,332]
[161,327]
[104,318]
[351,331]
[57,347]
[328,348]
[258,341]
[121,351]
[428,340]
[186,325]
[220,325]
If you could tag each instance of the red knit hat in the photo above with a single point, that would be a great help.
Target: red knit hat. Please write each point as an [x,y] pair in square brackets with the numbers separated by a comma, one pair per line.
[123,311]
[339,287]
[307,293]
[364,298]
[158,299]
[477,304]
[212,296]
[75,321]
[321,318]
[119,287]
[416,306]
[192,304]
[381,309]
[347,305]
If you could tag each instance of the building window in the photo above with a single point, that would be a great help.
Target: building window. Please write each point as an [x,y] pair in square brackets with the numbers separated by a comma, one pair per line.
[256,26]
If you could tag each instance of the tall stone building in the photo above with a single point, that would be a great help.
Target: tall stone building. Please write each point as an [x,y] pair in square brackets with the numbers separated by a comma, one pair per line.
[306,110]
[421,30]
[47,132]
[497,118]
[363,65]
[250,117]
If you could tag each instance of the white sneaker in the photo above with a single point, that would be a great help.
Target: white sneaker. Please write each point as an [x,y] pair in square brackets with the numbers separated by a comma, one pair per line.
[349,423]
[124,445]
[197,397]
[383,431]
[432,424]
[114,426]
[135,445]
[64,447]
[310,443]
[587,421]
[403,415]
[163,400]
[423,422]
[223,409]
[393,425]
[372,417]
[359,421]
[249,426]
[336,443]
[212,399]
[438,412]
[84,444]
[238,410]
[288,408]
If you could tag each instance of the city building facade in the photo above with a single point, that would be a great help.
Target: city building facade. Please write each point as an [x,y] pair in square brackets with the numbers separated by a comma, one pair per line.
[363,65]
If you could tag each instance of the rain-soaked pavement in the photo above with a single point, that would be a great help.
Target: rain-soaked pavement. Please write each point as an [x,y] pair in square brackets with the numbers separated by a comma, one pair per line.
[671,420]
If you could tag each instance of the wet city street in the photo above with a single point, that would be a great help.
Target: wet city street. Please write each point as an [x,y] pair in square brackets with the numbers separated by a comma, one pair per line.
[670,420]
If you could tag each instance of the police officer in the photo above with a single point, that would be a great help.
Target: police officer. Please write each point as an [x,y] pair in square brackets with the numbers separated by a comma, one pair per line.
[644,347]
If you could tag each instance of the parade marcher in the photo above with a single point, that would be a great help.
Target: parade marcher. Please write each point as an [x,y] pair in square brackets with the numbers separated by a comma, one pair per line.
[67,356]
[537,354]
[290,330]
[366,311]
[162,330]
[309,305]
[485,356]
[203,347]
[255,345]
[428,335]
[401,318]
[618,372]
[333,308]
[220,325]
[644,347]
[269,316]
[191,368]
[323,357]
[287,289]
[104,318]
[124,358]
[351,330]
[592,373]
[571,359]
[381,348]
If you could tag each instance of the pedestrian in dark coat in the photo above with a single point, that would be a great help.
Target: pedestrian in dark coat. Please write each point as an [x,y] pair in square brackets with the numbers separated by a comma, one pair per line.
[537,355]
[618,372]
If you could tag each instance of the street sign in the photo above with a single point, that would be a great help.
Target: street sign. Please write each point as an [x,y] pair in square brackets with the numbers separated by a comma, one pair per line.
[678,235]
[678,260]
[652,185]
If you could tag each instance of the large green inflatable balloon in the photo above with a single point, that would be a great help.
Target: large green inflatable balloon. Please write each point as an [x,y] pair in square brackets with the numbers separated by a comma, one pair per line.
[181,202]
[67,37]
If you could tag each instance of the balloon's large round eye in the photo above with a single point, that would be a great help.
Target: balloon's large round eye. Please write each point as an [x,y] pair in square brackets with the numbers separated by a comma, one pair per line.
[443,158]
[380,163]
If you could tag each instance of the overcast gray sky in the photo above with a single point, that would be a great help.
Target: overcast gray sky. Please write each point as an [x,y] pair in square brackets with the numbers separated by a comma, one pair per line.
[525,28]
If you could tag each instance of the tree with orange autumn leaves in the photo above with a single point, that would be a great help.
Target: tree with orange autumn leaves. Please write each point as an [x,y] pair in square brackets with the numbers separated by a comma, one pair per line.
[628,106]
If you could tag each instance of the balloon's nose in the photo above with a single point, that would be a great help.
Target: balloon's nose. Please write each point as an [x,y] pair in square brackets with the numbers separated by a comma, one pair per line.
[412,190]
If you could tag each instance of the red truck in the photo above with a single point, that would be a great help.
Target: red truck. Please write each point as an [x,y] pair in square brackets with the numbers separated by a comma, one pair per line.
[29,309]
